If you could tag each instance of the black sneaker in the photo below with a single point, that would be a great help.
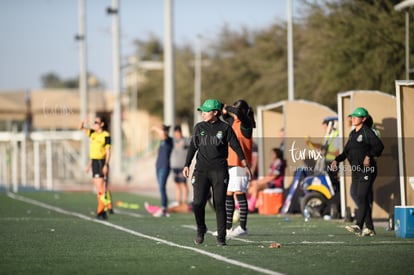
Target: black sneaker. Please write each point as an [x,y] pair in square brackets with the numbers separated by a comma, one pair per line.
[200,236]
[102,216]
[221,242]
[111,211]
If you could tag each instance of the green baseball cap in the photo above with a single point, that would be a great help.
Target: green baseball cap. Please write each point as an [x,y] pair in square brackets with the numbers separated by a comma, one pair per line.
[210,105]
[359,112]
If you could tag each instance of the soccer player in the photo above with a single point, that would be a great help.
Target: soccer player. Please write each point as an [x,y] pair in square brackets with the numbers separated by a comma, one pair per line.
[240,116]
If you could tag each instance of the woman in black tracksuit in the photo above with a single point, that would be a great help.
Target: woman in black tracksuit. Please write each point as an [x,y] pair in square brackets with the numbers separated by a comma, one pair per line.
[361,149]
[210,140]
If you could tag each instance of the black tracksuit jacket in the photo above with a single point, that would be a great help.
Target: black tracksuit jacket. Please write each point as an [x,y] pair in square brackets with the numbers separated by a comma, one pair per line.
[211,140]
[360,144]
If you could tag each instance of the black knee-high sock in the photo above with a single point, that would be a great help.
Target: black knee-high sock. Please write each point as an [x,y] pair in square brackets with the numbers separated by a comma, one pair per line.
[243,210]
[229,211]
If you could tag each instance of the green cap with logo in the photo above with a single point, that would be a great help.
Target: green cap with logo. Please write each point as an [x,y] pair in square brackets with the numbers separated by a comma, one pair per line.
[210,105]
[359,112]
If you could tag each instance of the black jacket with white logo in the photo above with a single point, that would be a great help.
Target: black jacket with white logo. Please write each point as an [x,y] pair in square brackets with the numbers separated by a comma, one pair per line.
[360,144]
[211,141]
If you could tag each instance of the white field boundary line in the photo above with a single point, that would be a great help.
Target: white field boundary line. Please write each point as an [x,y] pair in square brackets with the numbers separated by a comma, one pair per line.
[128,213]
[135,233]
[302,242]
[260,242]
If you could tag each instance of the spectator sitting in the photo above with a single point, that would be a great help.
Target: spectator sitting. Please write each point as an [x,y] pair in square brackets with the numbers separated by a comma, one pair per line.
[274,179]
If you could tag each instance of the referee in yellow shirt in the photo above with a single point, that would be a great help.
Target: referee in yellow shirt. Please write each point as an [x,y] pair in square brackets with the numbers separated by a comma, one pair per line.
[99,153]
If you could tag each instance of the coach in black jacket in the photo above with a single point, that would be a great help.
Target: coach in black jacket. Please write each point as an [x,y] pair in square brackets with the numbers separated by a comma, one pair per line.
[210,140]
[361,149]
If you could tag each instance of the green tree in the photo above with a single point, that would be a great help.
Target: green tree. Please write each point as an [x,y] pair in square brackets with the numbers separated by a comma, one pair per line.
[53,81]
[338,46]
[150,49]
[150,95]
[348,45]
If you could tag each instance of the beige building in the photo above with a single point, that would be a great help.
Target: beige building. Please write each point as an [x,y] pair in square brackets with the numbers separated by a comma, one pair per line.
[40,139]
[58,110]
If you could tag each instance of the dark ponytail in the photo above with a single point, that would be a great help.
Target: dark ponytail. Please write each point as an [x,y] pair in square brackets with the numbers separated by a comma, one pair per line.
[246,109]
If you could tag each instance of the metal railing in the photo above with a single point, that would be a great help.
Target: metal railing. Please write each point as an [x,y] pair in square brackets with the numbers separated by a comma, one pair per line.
[40,160]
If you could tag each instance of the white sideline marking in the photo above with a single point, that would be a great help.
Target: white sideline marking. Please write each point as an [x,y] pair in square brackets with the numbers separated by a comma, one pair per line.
[128,213]
[250,241]
[193,227]
[394,242]
[135,233]
[322,242]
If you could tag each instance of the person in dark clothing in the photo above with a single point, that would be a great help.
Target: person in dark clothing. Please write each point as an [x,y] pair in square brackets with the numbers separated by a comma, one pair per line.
[163,165]
[369,122]
[211,139]
[361,149]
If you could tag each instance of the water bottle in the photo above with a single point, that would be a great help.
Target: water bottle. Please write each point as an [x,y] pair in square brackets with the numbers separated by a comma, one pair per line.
[390,226]
[306,213]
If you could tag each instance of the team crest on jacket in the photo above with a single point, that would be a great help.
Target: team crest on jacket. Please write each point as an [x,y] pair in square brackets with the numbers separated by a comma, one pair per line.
[219,135]
[359,138]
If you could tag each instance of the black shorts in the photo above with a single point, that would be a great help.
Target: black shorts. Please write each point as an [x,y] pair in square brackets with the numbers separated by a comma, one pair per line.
[178,175]
[97,166]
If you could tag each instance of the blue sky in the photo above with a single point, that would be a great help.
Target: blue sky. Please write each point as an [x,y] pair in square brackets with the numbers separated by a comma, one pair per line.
[37,36]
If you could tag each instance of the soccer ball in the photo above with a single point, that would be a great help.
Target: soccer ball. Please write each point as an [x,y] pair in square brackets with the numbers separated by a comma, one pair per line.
[236,215]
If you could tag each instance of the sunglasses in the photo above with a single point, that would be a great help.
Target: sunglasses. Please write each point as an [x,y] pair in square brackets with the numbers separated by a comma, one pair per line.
[97,122]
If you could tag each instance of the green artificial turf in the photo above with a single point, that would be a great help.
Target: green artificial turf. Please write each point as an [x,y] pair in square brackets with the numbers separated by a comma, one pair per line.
[56,233]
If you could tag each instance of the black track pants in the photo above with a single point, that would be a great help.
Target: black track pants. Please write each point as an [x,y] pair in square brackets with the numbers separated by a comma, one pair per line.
[362,184]
[217,179]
